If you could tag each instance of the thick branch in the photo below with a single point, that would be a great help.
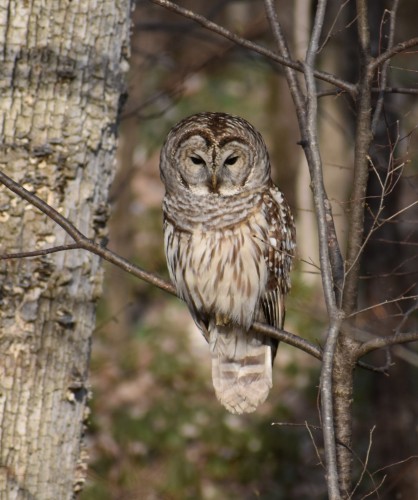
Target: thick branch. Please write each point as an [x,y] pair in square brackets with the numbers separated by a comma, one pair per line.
[215,28]
[327,407]
[362,144]
[342,379]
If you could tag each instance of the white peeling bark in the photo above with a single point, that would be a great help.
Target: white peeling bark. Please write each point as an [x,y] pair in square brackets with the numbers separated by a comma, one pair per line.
[61,77]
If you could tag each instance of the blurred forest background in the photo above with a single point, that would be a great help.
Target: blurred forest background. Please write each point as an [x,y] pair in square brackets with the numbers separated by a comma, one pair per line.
[156,430]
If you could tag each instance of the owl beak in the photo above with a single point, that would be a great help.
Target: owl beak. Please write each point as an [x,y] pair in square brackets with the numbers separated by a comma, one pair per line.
[214,181]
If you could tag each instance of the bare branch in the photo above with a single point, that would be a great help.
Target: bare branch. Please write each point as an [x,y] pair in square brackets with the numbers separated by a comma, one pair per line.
[396,90]
[84,243]
[379,342]
[412,457]
[320,199]
[375,90]
[405,354]
[311,149]
[37,253]
[290,73]
[364,469]
[314,445]
[215,28]
[334,22]
[289,338]
[396,49]
[377,369]
[315,164]
[399,212]
[387,188]
[362,144]
[406,316]
[385,302]
[384,69]
[375,490]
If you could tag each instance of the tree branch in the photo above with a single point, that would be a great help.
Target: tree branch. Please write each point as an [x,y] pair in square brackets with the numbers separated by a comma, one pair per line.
[84,243]
[363,140]
[380,342]
[396,49]
[37,253]
[215,28]
[385,66]
[299,101]
[320,201]
[375,90]
[290,73]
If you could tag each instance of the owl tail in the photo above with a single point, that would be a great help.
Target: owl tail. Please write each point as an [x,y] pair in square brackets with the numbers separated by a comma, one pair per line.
[241,367]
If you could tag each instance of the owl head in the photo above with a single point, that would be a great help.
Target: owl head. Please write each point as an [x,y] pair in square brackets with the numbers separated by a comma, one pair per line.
[214,153]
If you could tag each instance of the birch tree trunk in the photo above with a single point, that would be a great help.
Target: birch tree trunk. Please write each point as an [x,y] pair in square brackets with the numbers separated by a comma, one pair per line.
[61,78]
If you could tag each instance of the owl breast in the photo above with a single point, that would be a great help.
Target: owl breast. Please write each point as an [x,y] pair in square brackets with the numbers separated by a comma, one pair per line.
[220,271]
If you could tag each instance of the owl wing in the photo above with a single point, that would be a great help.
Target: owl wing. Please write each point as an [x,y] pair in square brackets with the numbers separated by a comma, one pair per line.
[279,253]
[242,361]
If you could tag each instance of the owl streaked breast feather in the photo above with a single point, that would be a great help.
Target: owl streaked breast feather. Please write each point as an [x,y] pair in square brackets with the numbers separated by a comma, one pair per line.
[229,242]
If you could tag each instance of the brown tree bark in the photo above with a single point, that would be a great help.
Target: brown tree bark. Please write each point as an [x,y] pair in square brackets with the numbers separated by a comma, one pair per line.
[61,79]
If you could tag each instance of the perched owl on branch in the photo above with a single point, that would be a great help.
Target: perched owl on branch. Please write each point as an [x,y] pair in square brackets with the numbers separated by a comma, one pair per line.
[229,241]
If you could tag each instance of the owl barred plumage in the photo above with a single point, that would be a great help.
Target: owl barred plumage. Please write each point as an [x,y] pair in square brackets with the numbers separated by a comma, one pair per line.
[229,241]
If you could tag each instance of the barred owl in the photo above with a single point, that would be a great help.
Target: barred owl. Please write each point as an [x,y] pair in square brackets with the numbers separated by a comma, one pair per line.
[229,241]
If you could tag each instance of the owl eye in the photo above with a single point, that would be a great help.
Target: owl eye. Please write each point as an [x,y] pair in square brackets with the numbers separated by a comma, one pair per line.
[231,160]
[197,160]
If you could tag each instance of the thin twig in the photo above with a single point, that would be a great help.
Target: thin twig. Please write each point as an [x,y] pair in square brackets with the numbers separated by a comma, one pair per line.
[412,457]
[384,68]
[406,315]
[295,424]
[386,190]
[364,469]
[376,489]
[383,303]
[37,253]
[377,369]
[329,35]
[314,445]
[399,212]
